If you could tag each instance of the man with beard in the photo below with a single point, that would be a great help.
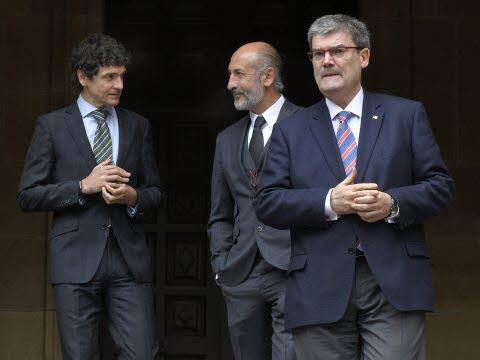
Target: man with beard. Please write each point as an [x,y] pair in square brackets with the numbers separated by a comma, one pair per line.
[354,176]
[92,164]
[250,259]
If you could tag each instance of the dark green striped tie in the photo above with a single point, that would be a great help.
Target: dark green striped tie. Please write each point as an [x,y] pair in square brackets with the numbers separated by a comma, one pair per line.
[102,143]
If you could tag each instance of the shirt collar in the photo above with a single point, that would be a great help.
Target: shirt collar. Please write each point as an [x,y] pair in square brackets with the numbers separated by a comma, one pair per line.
[86,108]
[355,106]
[271,114]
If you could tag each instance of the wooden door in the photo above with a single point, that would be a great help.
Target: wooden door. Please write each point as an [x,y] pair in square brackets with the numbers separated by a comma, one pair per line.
[177,79]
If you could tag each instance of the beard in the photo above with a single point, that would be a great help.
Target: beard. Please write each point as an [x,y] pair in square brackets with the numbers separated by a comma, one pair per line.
[248,99]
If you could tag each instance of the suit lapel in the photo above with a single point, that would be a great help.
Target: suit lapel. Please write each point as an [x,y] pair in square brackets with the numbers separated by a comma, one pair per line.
[372,118]
[322,130]
[125,127]
[77,131]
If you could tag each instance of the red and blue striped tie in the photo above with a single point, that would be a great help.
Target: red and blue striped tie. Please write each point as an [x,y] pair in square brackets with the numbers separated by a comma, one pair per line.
[346,142]
[348,148]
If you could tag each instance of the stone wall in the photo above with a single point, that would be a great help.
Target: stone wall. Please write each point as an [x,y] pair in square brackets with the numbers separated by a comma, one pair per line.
[35,42]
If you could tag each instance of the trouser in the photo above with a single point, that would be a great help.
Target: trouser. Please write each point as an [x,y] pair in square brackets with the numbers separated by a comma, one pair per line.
[255,311]
[115,294]
[370,329]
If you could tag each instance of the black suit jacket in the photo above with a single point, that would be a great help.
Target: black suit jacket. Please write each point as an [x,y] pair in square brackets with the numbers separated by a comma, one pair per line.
[59,156]
[233,229]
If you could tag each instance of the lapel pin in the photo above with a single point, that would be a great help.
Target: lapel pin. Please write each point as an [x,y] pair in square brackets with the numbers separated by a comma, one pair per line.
[375,117]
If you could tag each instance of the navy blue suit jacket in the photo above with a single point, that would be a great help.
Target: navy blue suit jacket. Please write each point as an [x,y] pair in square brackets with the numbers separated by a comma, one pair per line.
[397,151]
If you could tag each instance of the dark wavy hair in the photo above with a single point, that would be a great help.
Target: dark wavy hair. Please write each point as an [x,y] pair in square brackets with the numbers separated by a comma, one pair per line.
[95,51]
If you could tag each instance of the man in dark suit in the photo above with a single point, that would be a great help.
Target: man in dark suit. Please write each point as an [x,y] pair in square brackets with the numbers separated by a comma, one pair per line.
[93,165]
[249,259]
[354,177]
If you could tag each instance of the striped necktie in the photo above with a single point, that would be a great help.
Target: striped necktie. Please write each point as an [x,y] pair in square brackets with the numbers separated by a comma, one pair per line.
[346,142]
[348,149]
[102,142]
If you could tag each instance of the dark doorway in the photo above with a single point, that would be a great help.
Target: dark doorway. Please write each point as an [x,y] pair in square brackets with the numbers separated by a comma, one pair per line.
[177,79]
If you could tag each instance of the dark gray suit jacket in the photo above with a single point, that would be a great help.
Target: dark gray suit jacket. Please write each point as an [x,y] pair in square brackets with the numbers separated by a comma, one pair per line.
[59,156]
[233,229]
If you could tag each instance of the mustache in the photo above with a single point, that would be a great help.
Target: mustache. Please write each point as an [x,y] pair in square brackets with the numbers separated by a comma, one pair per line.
[236,92]
[329,73]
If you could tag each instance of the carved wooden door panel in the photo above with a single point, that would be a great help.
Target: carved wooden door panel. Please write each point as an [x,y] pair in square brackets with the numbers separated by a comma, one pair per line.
[177,79]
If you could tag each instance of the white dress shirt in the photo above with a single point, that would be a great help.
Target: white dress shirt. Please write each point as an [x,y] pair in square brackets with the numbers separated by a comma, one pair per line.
[271,116]
[355,107]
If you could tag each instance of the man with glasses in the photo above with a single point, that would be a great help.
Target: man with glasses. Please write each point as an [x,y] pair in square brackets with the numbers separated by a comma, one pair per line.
[249,259]
[354,177]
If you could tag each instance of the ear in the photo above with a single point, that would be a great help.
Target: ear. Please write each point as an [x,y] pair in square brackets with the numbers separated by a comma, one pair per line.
[268,77]
[82,77]
[364,58]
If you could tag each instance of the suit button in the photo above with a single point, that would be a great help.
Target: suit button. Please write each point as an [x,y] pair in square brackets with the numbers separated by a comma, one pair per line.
[351,251]
[259,228]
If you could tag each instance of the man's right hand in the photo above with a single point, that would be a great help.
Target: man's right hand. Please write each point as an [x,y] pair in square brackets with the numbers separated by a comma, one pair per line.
[343,195]
[102,174]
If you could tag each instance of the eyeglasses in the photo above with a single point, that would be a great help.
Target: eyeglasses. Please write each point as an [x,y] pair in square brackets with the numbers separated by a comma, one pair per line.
[337,52]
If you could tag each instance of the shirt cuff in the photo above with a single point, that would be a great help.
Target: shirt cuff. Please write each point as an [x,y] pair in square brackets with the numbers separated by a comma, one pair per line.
[330,215]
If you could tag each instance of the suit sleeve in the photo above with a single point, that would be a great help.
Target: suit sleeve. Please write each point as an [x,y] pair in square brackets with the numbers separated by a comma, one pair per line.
[220,225]
[149,187]
[36,191]
[279,205]
[432,189]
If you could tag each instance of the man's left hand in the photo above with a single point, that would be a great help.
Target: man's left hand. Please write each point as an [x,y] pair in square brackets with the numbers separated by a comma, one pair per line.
[119,194]
[373,208]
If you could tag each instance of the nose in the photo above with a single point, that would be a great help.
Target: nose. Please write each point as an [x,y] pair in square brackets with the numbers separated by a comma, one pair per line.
[231,83]
[328,59]
[119,83]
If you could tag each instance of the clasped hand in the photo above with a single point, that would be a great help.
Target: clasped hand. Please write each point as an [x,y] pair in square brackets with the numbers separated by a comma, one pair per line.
[363,199]
[111,181]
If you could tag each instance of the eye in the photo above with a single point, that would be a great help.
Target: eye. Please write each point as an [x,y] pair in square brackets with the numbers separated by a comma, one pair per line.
[339,51]
[318,54]
[238,73]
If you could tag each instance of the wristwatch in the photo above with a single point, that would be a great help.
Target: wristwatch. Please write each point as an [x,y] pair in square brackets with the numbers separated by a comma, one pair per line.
[394,211]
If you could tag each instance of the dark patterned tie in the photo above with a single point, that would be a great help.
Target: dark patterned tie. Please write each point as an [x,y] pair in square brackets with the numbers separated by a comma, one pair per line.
[102,142]
[256,142]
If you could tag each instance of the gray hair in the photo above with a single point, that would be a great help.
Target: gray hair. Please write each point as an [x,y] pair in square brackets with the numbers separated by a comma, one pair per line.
[269,57]
[332,23]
